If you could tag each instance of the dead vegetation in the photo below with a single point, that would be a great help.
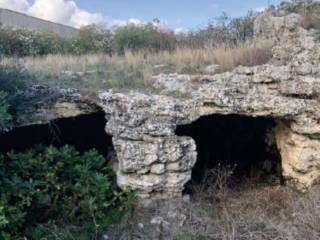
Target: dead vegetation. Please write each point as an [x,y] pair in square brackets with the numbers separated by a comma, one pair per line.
[218,210]
[135,70]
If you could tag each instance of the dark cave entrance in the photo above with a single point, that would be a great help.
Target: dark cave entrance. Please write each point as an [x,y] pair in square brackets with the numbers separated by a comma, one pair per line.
[245,144]
[83,132]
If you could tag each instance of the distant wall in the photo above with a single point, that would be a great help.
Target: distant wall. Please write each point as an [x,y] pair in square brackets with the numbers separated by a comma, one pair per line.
[17,20]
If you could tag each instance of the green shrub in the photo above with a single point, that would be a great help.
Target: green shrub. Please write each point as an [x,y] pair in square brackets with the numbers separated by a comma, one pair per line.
[22,42]
[310,14]
[50,192]
[92,39]
[45,43]
[5,117]
[13,79]
[223,30]
[13,83]
[16,42]
[144,38]
[190,237]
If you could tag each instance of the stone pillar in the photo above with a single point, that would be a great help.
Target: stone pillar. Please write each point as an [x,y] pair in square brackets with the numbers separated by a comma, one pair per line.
[151,159]
[300,157]
[158,168]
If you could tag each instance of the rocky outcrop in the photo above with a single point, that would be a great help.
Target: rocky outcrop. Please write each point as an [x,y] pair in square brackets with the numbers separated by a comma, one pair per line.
[46,104]
[156,163]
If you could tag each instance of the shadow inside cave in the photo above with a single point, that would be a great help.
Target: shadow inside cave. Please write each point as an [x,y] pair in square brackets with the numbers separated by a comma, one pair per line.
[245,144]
[83,132]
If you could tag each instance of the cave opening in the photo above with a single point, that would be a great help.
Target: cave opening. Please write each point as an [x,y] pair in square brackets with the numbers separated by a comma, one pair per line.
[84,132]
[246,145]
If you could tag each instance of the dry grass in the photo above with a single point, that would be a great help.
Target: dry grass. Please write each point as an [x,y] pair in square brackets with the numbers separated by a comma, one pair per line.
[95,72]
[246,54]
[246,212]
[193,60]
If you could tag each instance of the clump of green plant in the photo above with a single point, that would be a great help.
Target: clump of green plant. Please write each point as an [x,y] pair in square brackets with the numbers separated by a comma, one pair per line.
[21,42]
[5,117]
[14,80]
[189,236]
[310,15]
[51,193]
[91,39]
[146,38]
[223,30]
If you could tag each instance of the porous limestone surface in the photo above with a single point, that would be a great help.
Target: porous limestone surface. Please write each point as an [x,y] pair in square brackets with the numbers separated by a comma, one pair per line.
[157,164]
[46,104]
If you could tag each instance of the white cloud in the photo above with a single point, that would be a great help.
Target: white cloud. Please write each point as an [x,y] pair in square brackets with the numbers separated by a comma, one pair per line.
[54,10]
[63,11]
[60,11]
[134,21]
[161,24]
[261,9]
[67,12]
[182,31]
[16,5]
[82,18]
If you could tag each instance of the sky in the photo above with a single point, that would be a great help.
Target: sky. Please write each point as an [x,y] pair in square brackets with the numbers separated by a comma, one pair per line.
[179,15]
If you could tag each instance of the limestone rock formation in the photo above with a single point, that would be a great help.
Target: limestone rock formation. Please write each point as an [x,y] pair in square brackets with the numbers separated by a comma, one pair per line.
[156,163]
[46,104]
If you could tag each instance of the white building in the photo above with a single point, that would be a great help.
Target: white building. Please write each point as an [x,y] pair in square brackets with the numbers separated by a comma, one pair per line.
[16,20]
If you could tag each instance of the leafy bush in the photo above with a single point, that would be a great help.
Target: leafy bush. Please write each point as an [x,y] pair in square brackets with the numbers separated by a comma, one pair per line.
[310,12]
[13,83]
[22,42]
[27,43]
[5,117]
[144,38]
[311,18]
[16,42]
[92,39]
[13,79]
[47,192]
[147,38]
[223,30]
[44,43]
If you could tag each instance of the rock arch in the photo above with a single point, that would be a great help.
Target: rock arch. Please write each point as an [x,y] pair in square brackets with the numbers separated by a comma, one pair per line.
[157,163]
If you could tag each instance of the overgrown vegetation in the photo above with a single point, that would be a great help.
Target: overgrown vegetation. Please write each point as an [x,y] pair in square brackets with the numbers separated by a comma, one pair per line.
[222,208]
[223,30]
[5,117]
[91,39]
[146,38]
[50,193]
[13,83]
[91,73]
[310,15]
[127,57]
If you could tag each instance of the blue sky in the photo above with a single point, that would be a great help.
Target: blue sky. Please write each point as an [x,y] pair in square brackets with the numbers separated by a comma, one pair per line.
[186,14]
[178,13]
